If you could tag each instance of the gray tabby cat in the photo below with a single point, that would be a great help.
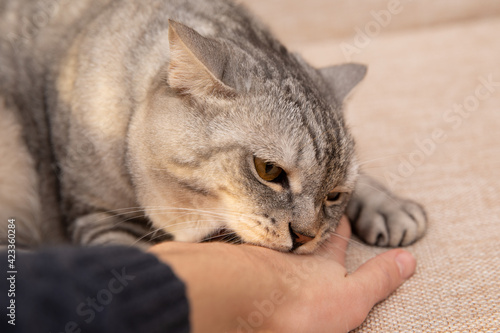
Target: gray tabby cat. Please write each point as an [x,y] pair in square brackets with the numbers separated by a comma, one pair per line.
[134,122]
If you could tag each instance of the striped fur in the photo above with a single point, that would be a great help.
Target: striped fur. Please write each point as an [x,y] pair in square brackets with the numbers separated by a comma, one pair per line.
[144,119]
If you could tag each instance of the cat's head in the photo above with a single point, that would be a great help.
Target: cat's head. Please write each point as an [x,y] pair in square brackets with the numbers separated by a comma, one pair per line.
[247,140]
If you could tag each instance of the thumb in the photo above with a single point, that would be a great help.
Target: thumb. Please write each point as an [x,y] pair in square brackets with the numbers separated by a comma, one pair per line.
[380,276]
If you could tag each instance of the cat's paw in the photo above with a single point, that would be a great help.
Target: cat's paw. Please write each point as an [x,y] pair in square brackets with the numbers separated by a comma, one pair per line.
[380,218]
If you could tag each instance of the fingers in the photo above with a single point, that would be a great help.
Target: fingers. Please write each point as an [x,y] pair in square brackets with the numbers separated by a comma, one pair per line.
[336,245]
[380,276]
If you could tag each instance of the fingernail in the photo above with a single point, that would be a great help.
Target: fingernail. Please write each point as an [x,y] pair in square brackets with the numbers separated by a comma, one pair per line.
[406,263]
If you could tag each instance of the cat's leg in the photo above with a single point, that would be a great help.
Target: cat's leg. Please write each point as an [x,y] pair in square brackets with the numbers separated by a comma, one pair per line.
[381,218]
[19,197]
[107,229]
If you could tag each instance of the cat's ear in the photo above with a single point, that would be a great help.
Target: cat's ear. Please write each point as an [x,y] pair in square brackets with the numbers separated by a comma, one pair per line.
[343,78]
[196,63]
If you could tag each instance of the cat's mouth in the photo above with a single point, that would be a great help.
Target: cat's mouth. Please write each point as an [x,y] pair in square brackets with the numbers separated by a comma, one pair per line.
[224,235]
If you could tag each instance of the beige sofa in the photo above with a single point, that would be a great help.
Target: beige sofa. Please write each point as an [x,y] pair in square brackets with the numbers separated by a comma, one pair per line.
[427,123]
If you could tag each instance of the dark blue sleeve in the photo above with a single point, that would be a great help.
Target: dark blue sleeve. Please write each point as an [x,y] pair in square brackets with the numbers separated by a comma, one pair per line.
[97,289]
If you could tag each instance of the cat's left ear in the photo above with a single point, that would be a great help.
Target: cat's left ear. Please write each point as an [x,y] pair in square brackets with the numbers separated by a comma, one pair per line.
[341,79]
[197,63]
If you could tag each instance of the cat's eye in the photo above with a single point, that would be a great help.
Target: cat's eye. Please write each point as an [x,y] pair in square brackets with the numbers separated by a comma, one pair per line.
[267,171]
[334,198]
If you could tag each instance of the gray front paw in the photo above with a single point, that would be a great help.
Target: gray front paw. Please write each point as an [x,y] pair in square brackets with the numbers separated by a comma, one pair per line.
[381,218]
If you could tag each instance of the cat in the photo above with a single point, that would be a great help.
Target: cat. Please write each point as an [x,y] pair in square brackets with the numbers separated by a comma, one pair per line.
[136,122]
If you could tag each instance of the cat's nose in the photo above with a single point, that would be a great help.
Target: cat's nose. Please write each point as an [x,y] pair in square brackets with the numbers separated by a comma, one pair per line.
[298,239]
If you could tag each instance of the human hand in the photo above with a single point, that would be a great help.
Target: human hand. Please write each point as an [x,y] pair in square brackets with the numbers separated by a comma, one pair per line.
[330,300]
[253,289]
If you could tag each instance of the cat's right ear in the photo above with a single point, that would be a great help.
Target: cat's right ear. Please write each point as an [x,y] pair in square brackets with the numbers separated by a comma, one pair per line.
[196,63]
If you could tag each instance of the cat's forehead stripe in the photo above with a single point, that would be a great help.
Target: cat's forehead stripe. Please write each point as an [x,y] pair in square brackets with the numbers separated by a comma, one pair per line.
[312,136]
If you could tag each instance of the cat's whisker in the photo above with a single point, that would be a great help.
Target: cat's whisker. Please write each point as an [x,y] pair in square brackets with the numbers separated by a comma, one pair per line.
[207,227]
[204,211]
[232,240]
[147,235]
[184,215]
[378,190]
[162,209]
[215,218]
[326,246]
[108,217]
[111,216]
[154,238]
[132,210]
[118,210]
[354,242]
[193,224]
[232,212]
[156,209]
[177,217]
[386,157]
[215,236]
[347,239]
[222,236]
[374,167]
